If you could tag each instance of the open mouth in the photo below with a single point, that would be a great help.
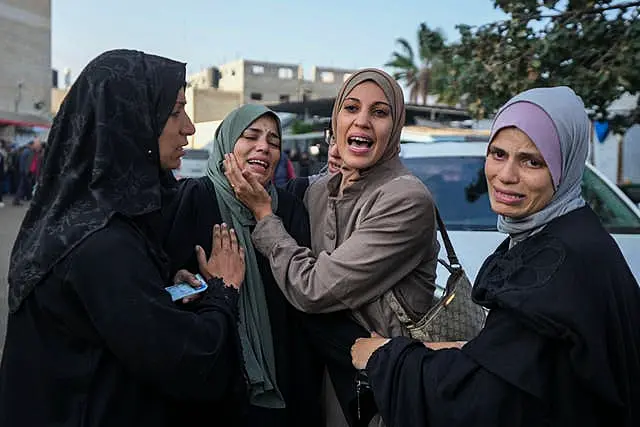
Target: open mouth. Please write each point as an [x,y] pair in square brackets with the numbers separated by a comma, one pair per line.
[360,144]
[508,198]
[258,165]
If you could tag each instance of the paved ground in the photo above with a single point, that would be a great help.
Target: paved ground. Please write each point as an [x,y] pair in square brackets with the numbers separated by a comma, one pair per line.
[10,219]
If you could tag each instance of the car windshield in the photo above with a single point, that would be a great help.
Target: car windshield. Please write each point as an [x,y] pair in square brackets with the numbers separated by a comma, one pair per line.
[196,154]
[459,188]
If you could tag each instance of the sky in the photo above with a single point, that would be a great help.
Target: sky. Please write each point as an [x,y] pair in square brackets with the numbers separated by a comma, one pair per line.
[334,33]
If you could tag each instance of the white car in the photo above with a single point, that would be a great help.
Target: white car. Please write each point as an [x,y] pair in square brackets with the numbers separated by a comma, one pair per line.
[193,164]
[454,173]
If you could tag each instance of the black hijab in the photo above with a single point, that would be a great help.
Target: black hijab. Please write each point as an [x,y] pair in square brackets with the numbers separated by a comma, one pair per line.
[102,159]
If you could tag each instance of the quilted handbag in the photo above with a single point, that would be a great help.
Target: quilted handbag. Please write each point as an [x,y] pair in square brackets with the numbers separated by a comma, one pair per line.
[455,317]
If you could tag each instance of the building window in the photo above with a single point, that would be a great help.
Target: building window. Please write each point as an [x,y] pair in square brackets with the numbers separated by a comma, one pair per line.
[326,77]
[285,73]
[257,69]
[255,96]
[346,77]
[233,72]
[285,98]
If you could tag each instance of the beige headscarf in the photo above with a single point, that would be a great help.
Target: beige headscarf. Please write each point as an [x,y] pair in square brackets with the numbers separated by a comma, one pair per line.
[395,97]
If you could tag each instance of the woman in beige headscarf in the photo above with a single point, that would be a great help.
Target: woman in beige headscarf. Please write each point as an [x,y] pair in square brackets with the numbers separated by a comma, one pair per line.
[372,226]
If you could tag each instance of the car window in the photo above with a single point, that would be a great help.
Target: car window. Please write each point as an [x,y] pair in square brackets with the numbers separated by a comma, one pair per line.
[613,212]
[459,189]
[196,154]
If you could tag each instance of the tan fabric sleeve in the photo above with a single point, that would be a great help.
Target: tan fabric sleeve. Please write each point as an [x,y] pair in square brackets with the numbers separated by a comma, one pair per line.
[393,237]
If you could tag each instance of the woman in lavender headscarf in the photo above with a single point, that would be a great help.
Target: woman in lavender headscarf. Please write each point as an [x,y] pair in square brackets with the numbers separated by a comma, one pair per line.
[561,345]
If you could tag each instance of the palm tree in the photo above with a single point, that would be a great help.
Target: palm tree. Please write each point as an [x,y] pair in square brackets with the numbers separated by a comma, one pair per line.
[418,77]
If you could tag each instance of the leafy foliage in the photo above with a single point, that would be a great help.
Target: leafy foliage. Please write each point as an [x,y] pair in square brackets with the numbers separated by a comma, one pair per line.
[418,76]
[593,46]
[299,126]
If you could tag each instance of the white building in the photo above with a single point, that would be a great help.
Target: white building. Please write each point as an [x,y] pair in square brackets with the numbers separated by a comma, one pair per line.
[271,82]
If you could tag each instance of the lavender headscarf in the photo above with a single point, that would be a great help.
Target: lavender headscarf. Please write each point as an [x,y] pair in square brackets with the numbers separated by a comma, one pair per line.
[566,111]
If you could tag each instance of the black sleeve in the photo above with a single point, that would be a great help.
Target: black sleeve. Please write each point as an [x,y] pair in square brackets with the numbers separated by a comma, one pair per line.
[416,386]
[186,354]
[297,186]
[295,217]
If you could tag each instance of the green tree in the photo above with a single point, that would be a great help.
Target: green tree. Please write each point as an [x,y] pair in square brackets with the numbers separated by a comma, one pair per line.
[593,46]
[300,126]
[418,73]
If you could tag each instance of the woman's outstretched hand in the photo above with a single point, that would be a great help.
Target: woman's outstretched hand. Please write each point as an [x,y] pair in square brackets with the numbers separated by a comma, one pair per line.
[226,260]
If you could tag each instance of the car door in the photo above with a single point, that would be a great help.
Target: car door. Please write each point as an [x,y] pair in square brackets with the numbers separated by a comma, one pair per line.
[459,189]
[618,215]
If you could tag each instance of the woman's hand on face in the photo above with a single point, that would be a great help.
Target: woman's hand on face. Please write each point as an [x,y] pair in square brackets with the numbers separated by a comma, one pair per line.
[226,260]
[247,188]
[184,276]
[363,348]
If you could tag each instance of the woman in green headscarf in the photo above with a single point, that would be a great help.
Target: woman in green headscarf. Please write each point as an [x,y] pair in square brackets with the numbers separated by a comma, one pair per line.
[284,376]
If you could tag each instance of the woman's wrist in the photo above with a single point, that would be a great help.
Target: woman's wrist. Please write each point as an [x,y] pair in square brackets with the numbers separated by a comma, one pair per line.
[262,213]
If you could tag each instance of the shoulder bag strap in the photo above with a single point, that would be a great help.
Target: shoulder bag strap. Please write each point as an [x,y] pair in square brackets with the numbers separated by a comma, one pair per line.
[451,253]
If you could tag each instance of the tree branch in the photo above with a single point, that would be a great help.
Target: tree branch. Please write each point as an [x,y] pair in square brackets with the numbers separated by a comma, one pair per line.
[593,10]
[566,14]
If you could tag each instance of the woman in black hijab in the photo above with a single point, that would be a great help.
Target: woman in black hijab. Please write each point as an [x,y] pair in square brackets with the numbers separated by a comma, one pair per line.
[93,338]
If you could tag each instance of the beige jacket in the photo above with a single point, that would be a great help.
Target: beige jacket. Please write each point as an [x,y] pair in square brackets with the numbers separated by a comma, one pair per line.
[377,236]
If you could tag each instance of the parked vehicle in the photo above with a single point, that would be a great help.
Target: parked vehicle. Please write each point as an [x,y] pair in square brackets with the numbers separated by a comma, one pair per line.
[194,164]
[454,174]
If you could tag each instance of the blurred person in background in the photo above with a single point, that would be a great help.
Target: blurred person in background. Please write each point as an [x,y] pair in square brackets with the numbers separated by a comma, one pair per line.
[299,186]
[4,167]
[284,170]
[29,161]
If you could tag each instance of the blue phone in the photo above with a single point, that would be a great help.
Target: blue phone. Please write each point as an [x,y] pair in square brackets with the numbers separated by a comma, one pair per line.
[181,290]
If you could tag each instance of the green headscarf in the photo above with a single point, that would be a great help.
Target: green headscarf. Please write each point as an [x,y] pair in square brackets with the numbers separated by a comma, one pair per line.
[255,329]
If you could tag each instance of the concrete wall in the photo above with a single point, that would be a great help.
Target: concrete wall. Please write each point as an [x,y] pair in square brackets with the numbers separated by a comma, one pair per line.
[205,105]
[326,81]
[232,76]
[204,79]
[277,82]
[25,49]
[274,82]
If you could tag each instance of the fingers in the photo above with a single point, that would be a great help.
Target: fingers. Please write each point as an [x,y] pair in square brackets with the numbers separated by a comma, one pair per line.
[233,240]
[252,181]
[201,257]
[233,172]
[185,276]
[225,238]
[187,300]
[181,276]
[216,239]
[202,262]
